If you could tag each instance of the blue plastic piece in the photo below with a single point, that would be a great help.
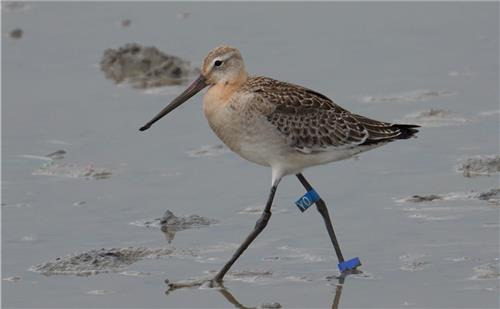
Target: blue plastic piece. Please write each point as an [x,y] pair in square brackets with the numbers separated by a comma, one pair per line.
[349,264]
[307,200]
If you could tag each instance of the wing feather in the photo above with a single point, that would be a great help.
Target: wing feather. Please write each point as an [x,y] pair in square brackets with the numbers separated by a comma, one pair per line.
[311,122]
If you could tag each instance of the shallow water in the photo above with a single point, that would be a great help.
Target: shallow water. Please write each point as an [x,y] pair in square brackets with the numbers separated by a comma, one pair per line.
[56,98]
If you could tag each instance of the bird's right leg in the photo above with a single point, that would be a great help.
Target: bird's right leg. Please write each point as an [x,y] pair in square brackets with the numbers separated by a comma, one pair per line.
[321,206]
[259,226]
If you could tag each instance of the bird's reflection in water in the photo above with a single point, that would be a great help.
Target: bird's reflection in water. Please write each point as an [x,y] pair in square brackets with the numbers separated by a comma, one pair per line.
[234,301]
[169,232]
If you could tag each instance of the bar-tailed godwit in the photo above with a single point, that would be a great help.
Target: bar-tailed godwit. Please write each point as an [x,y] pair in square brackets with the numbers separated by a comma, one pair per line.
[281,125]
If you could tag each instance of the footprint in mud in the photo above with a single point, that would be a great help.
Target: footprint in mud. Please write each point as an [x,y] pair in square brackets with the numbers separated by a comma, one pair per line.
[433,118]
[257,210]
[208,151]
[297,255]
[414,262]
[71,170]
[100,292]
[55,167]
[487,271]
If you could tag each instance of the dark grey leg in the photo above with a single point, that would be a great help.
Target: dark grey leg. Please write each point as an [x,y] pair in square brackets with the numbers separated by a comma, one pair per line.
[321,206]
[259,226]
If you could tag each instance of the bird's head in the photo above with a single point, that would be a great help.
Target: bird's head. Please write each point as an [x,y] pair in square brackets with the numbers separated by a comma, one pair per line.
[223,64]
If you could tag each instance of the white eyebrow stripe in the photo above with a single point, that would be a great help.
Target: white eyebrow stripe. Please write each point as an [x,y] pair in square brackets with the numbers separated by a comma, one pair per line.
[221,58]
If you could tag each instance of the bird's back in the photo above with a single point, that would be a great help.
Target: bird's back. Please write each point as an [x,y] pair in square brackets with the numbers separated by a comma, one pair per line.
[311,122]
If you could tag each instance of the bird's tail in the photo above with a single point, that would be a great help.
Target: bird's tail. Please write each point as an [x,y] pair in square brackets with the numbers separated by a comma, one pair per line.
[407,130]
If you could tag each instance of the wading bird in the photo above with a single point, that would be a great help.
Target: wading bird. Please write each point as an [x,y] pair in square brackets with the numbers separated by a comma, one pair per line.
[281,125]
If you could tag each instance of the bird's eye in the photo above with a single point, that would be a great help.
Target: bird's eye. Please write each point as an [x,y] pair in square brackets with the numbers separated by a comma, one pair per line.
[217,63]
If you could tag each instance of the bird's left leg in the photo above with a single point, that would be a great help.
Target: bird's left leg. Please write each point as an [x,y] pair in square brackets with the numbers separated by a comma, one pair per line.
[259,226]
[321,206]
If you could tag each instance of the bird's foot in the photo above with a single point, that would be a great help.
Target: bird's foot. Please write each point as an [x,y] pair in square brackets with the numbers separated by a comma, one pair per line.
[206,282]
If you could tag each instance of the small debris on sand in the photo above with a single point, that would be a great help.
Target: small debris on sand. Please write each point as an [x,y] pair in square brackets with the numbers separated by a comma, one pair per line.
[98,261]
[481,165]
[208,151]
[171,224]
[56,155]
[486,271]
[16,33]
[183,15]
[433,118]
[12,279]
[73,171]
[126,22]
[145,67]
[410,96]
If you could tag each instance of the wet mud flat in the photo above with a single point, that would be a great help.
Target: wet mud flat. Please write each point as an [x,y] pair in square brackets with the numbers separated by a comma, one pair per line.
[85,195]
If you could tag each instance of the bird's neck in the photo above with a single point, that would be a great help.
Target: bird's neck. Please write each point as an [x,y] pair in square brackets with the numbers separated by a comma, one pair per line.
[221,92]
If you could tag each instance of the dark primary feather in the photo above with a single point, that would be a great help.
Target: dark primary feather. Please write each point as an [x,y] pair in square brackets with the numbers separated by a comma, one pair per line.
[312,122]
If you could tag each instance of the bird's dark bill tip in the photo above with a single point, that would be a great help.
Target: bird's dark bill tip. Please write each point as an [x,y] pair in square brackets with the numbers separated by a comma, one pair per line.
[144,128]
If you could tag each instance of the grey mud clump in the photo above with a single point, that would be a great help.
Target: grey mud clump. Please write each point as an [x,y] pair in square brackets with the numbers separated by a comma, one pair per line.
[98,261]
[491,196]
[171,224]
[487,271]
[169,220]
[483,165]
[16,33]
[145,67]
[56,155]
[423,198]
[273,305]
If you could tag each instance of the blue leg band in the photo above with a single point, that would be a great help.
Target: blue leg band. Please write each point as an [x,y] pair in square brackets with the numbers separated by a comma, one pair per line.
[349,264]
[307,200]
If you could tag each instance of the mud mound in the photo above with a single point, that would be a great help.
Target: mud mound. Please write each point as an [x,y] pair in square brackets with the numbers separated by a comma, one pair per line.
[145,67]
[483,165]
[171,224]
[98,261]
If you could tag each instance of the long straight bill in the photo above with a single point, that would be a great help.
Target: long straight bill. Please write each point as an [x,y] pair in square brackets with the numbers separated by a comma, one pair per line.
[193,89]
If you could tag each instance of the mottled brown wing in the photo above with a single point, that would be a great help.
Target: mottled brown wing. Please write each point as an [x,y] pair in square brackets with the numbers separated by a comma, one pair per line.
[312,122]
